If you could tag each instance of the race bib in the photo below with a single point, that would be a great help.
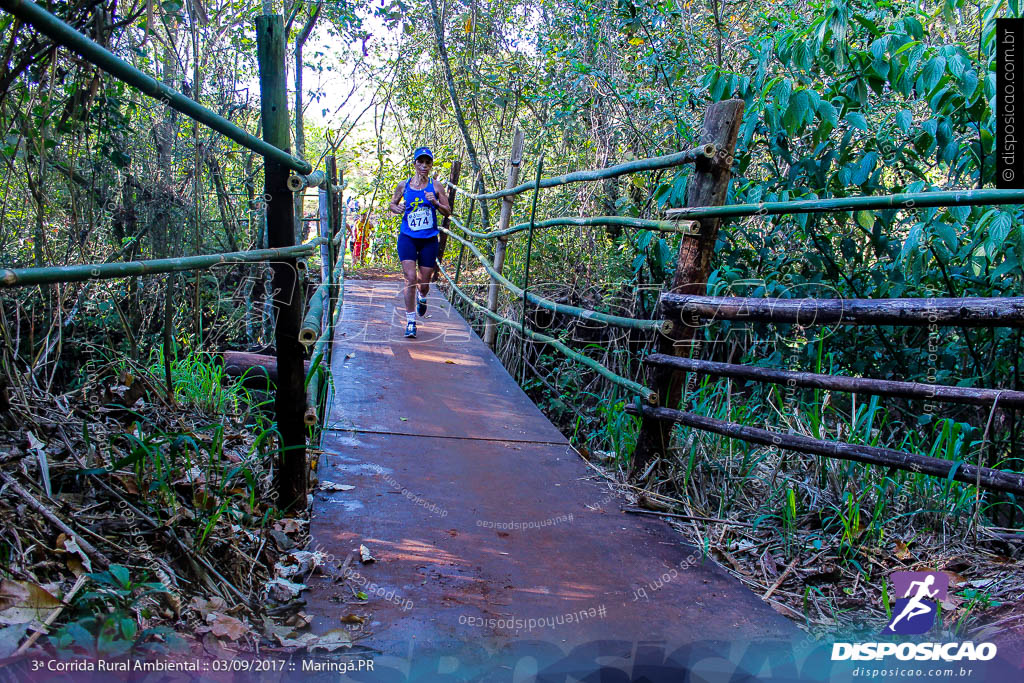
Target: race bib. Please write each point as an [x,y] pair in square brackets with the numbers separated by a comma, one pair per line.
[420,219]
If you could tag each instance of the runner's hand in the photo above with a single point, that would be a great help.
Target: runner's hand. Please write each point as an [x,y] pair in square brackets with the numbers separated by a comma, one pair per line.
[431,197]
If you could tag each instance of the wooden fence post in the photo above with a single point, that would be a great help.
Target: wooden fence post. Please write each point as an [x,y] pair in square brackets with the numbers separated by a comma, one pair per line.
[289,401]
[707,187]
[490,331]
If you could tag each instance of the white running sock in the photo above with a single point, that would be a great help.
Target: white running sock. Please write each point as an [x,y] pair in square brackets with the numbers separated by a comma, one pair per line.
[410,317]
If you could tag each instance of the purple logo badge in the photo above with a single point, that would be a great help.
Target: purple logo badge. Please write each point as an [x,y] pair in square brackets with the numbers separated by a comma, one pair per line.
[918,594]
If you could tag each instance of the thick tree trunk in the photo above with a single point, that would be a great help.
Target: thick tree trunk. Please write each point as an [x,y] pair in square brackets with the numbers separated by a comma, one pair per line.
[300,134]
[707,187]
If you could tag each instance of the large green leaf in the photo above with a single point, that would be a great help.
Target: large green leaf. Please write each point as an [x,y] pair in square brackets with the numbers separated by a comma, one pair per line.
[933,71]
[857,120]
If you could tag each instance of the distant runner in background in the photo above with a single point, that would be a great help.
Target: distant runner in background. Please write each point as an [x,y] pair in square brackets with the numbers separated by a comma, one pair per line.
[418,202]
[362,230]
[352,204]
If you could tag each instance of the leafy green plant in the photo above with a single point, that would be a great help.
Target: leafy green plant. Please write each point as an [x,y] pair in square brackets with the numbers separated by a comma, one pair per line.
[105,619]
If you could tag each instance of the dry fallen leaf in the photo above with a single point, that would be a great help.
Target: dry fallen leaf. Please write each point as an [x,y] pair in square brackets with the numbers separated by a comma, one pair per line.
[208,607]
[300,562]
[652,504]
[283,590]
[353,619]
[350,355]
[451,362]
[9,637]
[364,555]
[331,486]
[12,593]
[952,602]
[902,551]
[24,601]
[299,620]
[129,484]
[71,545]
[221,625]
[289,525]
[332,640]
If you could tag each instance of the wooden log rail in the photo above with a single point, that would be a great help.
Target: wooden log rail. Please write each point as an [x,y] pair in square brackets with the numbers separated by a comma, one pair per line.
[856,385]
[255,369]
[963,312]
[583,313]
[313,321]
[984,477]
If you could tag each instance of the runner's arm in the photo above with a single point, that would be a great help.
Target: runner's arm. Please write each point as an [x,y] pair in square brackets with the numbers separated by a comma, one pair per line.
[395,206]
[441,202]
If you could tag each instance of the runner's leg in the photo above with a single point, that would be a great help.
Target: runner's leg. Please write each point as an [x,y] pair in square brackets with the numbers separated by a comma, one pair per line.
[428,263]
[407,254]
[409,270]
[425,278]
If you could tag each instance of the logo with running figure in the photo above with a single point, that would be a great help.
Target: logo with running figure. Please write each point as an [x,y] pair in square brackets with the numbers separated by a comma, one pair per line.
[915,609]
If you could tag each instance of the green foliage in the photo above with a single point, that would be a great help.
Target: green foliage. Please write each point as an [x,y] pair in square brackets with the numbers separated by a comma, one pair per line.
[105,619]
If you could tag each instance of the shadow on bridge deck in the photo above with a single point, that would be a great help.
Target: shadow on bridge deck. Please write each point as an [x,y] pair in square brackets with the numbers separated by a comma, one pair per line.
[482,518]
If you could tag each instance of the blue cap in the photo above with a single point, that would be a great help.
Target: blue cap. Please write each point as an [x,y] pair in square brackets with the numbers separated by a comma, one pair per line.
[422,152]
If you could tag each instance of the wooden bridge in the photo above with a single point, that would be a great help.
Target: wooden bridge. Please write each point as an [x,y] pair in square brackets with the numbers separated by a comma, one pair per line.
[451,510]
[485,525]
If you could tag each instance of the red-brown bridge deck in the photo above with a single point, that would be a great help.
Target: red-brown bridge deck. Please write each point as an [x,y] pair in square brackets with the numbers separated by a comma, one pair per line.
[446,452]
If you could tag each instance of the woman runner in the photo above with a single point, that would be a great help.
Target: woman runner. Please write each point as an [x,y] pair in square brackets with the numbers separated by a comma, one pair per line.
[418,202]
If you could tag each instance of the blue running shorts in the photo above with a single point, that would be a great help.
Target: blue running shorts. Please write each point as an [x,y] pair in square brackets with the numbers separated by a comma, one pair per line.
[422,250]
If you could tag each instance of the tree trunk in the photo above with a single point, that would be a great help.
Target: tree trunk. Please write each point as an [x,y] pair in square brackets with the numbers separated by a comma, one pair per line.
[707,187]
[300,134]
[289,401]
[515,161]
[485,217]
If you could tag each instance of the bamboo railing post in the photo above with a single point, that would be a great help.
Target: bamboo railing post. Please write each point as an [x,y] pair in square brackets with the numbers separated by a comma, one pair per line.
[326,249]
[332,230]
[289,400]
[707,187]
[526,269]
[490,331]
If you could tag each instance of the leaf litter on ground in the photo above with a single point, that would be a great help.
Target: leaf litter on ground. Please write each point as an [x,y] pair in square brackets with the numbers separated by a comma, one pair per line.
[174,492]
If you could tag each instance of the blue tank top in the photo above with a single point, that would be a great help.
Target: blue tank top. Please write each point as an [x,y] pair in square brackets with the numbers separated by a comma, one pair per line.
[420,217]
